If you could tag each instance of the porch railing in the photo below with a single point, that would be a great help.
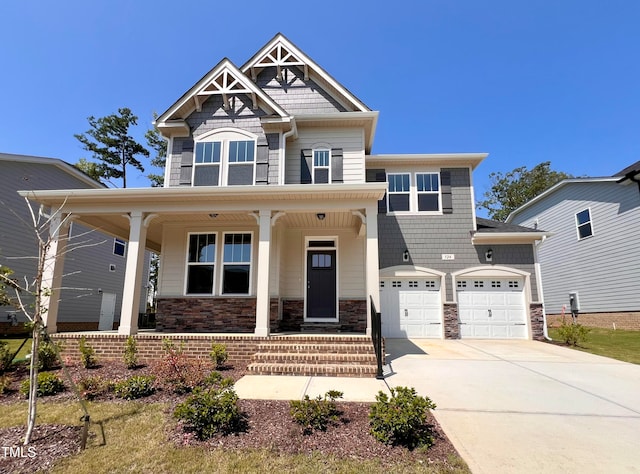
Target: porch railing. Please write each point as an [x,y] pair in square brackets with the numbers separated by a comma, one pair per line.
[376,337]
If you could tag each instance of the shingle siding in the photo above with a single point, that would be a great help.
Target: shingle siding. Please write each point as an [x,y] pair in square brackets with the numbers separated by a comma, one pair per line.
[294,94]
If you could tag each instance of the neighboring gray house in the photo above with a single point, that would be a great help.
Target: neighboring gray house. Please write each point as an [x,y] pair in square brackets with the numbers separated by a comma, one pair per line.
[276,216]
[94,273]
[594,250]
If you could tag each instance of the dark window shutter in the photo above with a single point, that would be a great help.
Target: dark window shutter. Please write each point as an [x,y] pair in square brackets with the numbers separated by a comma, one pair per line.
[445,189]
[336,165]
[306,164]
[186,162]
[262,162]
[378,176]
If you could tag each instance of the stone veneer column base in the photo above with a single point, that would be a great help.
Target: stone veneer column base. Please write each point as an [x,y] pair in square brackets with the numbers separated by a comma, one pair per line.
[451,321]
[537,321]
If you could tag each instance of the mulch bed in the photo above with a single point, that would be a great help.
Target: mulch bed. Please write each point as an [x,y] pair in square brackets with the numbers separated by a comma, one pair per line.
[269,426]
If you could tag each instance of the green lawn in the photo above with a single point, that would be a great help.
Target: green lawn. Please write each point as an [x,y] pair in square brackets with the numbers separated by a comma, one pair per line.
[14,343]
[135,441]
[617,344]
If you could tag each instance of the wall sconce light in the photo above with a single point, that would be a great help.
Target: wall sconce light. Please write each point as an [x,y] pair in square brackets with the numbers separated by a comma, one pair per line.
[405,256]
[99,291]
[321,216]
[488,255]
[213,215]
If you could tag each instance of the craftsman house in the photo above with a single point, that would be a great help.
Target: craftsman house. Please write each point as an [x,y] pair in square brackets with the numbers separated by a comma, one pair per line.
[276,217]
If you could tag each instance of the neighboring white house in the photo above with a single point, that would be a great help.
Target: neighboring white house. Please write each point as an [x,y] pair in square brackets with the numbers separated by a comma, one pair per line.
[276,216]
[594,250]
[94,273]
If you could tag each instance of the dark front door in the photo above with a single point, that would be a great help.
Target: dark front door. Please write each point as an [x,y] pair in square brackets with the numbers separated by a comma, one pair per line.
[321,284]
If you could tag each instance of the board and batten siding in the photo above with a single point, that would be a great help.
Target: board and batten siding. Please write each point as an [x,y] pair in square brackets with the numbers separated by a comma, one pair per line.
[86,269]
[350,140]
[603,268]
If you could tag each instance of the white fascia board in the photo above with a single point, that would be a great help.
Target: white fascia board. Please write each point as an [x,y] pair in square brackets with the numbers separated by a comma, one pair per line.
[556,187]
[502,238]
[443,159]
[280,38]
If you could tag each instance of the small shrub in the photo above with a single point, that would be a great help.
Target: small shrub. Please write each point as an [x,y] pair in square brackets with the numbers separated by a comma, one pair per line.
[48,384]
[130,356]
[5,383]
[88,357]
[48,355]
[209,411]
[317,413]
[402,418]
[92,387]
[218,354]
[177,372]
[573,334]
[6,356]
[137,386]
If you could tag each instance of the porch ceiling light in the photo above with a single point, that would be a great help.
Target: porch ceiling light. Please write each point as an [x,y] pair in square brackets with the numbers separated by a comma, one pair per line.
[213,215]
[321,216]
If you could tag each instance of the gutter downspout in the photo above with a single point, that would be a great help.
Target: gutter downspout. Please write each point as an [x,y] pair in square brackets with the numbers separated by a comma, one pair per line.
[283,150]
[545,331]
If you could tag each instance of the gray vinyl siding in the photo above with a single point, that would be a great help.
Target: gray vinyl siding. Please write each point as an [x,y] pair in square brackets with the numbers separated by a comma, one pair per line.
[427,237]
[295,95]
[86,269]
[603,268]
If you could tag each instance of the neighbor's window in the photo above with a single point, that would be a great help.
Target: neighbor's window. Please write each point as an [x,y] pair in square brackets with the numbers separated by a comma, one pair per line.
[428,190]
[225,161]
[583,221]
[119,247]
[201,263]
[398,197]
[321,166]
[236,264]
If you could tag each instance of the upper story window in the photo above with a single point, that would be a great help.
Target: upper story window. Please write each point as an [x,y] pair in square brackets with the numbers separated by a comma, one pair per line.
[119,247]
[224,158]
[418,192]
[583,223]
[321,166]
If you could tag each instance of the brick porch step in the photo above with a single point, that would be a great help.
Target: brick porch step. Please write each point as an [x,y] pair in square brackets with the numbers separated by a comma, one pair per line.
[336,370]
[309,355]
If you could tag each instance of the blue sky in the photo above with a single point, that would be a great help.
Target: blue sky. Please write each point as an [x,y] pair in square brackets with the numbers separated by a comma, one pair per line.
[525,81]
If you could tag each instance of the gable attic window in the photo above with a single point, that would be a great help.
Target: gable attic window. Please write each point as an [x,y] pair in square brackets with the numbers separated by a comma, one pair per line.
[224,158]
[583,223]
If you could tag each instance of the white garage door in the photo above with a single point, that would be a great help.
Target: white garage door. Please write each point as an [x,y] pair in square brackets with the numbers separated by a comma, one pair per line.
[411,307]
[492,308]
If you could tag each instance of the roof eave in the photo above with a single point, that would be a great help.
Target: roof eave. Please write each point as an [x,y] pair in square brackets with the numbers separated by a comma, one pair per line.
[502,238]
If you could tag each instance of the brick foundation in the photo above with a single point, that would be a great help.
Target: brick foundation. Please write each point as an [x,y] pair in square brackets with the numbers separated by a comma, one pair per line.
[353,315]
[206,315]
[111,346]
[537,322]
[451,326]
[625,320]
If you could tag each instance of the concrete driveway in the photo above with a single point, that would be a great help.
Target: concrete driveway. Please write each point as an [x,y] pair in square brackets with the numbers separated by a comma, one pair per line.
[525,406]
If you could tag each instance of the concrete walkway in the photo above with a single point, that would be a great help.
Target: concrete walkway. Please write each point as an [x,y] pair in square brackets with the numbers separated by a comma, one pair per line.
[507,406]
[524,406]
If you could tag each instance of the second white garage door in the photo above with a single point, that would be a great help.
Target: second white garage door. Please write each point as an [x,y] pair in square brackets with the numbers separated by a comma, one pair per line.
[492,308]
[411,308]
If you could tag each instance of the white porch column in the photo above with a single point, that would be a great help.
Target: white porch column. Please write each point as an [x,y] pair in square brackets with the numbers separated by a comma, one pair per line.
[263,305]
[372,269]
[52,270]
[133,274]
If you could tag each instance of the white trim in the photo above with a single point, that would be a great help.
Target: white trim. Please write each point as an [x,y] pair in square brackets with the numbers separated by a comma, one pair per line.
[214,263]
[167,164]
[410,271]
[578,225]
[306,249]
[222,263]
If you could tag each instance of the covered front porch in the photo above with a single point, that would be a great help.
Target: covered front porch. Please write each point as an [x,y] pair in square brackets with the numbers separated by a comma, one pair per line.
[244,259]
